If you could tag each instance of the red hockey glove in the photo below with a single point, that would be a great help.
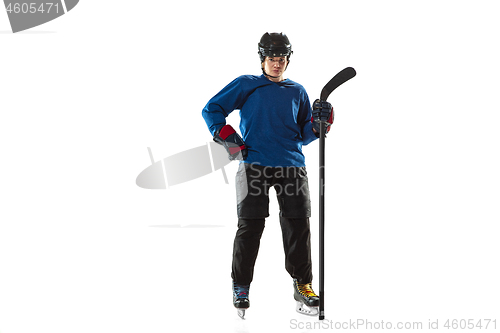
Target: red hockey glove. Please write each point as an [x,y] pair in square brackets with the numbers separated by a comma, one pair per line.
[322,112]
[227,137]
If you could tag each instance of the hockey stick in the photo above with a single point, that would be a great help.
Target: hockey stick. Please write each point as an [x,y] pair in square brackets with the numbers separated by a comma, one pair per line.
[341,77]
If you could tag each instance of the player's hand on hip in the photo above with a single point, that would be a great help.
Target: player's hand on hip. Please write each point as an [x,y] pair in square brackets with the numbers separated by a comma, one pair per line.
[232,142]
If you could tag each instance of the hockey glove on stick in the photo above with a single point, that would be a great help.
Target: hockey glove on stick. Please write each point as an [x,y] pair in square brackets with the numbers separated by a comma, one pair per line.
[229,139]
[322,112]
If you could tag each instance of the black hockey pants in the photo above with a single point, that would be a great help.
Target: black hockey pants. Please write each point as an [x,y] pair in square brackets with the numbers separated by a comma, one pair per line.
[252,187]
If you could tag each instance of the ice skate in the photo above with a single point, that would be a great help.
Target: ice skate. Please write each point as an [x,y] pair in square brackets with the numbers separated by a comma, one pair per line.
[240,298]
[307,300]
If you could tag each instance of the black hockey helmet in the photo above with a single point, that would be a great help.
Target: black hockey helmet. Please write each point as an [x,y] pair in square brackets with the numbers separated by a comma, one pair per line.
[274,45]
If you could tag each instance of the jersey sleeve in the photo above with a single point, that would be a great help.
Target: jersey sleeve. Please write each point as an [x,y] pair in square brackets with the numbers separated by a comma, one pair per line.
[305,115]
[230,98]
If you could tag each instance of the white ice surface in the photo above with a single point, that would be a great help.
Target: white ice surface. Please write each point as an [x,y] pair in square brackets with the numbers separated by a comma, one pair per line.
[412,166]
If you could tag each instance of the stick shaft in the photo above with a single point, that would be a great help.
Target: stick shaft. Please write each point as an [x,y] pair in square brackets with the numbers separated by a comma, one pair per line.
[322,221]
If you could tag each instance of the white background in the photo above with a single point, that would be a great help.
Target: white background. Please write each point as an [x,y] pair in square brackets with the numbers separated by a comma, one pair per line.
[412,165]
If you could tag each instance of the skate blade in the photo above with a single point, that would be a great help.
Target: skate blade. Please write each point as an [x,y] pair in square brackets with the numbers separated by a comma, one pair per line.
[307,310]
[241,313]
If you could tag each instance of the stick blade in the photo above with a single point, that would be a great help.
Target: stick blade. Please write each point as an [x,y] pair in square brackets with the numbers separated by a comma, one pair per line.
[341,77]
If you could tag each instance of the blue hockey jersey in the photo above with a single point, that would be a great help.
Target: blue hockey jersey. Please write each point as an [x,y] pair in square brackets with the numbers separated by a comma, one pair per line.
[275,118]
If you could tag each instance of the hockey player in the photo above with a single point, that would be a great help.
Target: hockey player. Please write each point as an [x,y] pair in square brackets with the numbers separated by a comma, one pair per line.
[276,121]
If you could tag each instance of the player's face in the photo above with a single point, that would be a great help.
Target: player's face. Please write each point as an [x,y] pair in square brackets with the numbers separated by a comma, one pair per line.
[275,66]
